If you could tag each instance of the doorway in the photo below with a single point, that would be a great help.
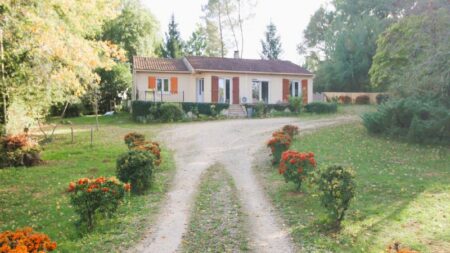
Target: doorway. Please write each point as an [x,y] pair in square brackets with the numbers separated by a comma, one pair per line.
[200,90]
[225,90]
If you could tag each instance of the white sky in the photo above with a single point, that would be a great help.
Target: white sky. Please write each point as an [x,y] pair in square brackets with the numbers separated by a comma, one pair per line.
[290,16]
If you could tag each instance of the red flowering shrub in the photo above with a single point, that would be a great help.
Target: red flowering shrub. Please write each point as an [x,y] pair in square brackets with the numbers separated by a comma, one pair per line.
[279,143]
[153,148]
[362,100]
[92,196]
[295,166]
[19,150]
[345,99]
[290,130]
[24,241]
[133,139]
[395,248]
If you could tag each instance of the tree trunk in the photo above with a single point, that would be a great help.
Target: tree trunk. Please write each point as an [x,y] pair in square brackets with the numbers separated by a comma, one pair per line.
[4,87]
[64,111]
[221,35]
[240,27]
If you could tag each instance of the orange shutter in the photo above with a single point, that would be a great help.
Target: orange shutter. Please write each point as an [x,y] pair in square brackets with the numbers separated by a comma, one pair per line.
[151,82]
[286,91]
[214,89]
[174,85]
[305,91]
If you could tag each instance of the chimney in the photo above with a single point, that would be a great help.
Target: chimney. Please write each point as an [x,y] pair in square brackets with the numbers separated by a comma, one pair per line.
[236,54]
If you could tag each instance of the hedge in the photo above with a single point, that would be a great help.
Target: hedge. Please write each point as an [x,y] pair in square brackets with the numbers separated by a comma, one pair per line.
[321,107]
[203,108]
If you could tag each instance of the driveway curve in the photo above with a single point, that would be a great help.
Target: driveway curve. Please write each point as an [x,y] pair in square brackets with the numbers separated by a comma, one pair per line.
[232,143]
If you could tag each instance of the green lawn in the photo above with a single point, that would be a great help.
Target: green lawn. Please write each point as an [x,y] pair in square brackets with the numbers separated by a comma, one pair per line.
[403,193]
[36,196]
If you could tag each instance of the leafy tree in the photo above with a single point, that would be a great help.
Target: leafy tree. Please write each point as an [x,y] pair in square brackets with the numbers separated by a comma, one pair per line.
[197,43]
[215,21]
[173,44]
[135,29]
[271,45]
[213,45]
[114,83]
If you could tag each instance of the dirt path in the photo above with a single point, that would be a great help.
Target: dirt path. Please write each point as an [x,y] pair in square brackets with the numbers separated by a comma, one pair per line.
[233,144]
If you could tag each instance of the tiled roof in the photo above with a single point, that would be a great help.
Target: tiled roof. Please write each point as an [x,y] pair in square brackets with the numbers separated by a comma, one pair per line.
[201,63]
[245,65]
[159,64]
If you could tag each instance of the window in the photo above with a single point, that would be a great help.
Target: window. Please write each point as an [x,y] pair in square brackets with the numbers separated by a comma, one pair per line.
[260,91]
[295,89]
[162,85]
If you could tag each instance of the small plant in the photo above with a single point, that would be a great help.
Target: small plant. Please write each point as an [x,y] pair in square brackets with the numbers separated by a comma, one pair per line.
[19,150]
[337,188]
[260,109]
[345,100]
[213,110]
[296,103]
[153,148]
[279,143]
[290,130]
[395,248]
[133,139]
[295,166]
[136,167]
[362,100]
[91,196]
[24,241]
[170,112]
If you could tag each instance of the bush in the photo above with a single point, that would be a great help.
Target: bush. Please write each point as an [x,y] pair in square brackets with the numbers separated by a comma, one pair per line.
[290,130]
[90,197]
[296,166]
[203,108]
[362,100]
[25,240]
[151,147]
[170,112]
[382,98]
[19,150]
[337,188]
[133,139]
[260,109]
[345,100]
[296,103]
[279,143]
[136,167]
[321,107]
[416,119]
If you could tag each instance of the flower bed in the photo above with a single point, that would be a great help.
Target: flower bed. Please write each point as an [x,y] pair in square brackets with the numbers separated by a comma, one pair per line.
[25,240]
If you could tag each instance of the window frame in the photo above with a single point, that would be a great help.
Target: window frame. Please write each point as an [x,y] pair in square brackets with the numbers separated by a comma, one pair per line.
[293,89]
[161,88]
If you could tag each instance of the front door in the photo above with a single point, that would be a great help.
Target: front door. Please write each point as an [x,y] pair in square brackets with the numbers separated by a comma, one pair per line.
[265,91]
[200,90]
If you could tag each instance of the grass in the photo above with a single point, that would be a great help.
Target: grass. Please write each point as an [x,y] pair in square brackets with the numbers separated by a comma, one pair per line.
[36,196]
[403,193]
[217,223]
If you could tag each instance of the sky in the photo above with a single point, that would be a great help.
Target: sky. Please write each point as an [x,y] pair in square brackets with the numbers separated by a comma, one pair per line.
[291,17]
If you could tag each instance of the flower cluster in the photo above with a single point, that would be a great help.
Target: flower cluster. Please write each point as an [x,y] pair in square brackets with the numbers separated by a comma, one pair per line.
[290,130]
[89,196]
[295,166]
[19,150]
[136,141]
[24,241]
[279,143]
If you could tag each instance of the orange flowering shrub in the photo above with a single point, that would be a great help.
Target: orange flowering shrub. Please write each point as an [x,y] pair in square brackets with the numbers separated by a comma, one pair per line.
[153,148]
[279,143]
[19,150]
[295,166]
[101,195]
[24,241]
[290,130]
[133,139]
[395,248]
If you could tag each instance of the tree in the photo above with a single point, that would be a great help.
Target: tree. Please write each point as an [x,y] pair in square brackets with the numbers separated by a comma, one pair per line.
[197,43]
[271,45]
[114,83]
[51,54]
[135,29]
[214,44]
[214,16]
[173,44]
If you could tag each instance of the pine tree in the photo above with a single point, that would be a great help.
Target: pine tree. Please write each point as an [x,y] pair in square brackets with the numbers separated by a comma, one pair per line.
[271,46]
[173,44]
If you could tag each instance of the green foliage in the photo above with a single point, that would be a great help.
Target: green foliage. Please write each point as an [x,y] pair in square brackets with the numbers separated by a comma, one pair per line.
[173,44]
[296,103]
[170,112]
[260,109]
[72,110]
[382,98]
[113,85]
[100,196]
[19,150]
[136,167]
[271,45]
[362,100]
[203,108]
[421,120]
[337,187]
[321,107]
[197,43]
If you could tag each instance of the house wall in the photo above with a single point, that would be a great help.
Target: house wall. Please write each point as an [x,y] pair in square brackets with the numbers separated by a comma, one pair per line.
[187,86]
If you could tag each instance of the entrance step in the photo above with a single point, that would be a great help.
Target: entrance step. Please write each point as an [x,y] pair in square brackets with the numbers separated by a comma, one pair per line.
[237,111]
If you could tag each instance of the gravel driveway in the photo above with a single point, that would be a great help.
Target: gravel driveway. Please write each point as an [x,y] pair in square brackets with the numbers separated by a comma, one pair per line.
[233,144]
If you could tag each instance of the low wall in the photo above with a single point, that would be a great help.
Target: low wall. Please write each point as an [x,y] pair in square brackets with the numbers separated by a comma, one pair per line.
[353,95]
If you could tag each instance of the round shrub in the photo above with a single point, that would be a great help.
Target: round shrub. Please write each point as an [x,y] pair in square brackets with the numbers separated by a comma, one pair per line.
[362,100]
[170,112]
[296,166]
[296,103]
[25,240]
[290,130]
[279,143]
[337,188]
[19,150]
[133,139]
[345,99]
[92,196]
[136,167]
[153,148]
